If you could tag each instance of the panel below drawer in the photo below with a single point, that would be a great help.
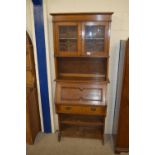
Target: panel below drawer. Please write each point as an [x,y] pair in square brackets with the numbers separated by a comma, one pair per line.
[86,110]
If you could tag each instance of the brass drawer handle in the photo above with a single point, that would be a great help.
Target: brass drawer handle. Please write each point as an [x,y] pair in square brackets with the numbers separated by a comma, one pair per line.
[93,109]
[68,108]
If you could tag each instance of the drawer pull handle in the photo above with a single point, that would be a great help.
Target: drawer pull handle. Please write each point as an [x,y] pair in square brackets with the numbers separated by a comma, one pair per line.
[68,108]
[93,109]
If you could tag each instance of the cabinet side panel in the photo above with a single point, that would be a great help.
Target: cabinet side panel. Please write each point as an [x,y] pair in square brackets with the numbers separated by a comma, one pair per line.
[119,86]
[123,126]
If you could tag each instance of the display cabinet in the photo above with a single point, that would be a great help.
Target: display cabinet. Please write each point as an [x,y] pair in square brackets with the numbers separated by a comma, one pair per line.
[81,52]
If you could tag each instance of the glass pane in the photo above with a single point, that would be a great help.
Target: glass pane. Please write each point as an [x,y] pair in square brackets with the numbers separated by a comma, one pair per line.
[68,38]
[94,38]
[67,45]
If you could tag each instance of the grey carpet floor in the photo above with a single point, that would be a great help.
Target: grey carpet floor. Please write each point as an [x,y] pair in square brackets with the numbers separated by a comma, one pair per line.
[47,144]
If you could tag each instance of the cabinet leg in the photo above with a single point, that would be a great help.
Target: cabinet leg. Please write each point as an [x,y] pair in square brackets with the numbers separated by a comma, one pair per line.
[59,136]
[103,137]
[117,152]
[103,140]
[59,131]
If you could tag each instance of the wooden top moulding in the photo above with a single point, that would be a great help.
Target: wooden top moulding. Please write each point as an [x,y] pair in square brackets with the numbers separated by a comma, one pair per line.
[82,16]
[83,13]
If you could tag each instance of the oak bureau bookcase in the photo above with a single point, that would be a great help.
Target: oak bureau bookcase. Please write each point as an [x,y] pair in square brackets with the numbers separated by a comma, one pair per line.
[81,52]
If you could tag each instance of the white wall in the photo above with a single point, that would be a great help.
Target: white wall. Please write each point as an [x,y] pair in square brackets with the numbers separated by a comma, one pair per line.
[28,18]
[119,31]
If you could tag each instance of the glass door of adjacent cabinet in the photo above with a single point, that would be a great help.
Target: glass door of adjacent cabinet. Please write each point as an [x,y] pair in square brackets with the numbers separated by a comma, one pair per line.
[95,36]
[68,39]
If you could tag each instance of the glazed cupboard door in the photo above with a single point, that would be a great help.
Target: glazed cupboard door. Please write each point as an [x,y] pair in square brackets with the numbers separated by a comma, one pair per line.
[67,38]
[95,38]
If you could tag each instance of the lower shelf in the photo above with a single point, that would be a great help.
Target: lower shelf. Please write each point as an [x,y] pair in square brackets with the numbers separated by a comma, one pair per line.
[82,120]
[82,132]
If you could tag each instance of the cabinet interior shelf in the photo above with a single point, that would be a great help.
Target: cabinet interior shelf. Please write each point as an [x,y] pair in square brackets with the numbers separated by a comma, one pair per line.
[79,79]
[82,121]
[83,69]
[82,126]
[83,132]
[82,75]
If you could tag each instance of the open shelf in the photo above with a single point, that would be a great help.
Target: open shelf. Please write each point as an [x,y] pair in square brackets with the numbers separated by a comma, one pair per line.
[83,79]
[80,120]
[83,132]
[82,75]
[84,69]
[81,123]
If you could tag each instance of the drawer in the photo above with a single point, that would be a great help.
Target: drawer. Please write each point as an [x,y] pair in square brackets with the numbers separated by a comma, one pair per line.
[85,110]
[92,110]
[80,93]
